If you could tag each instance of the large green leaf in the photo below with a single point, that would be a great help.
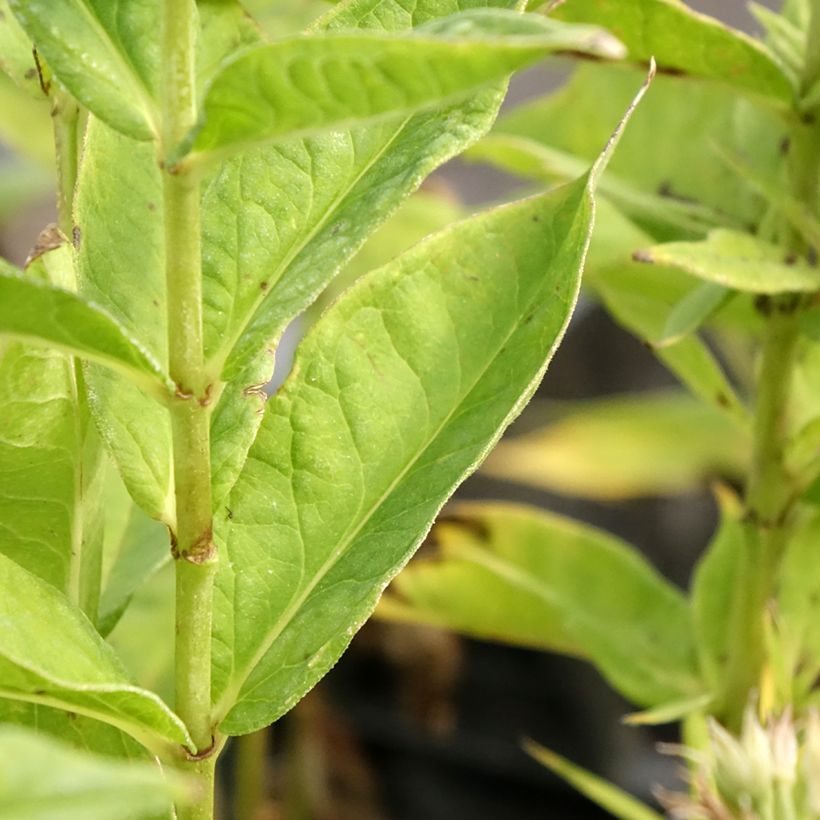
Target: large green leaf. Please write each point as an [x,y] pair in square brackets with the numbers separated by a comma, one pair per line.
[682,122]
[42,779]
[616,448]
[50,654]
[49,316]
[333,80]
[529,577]
[106,52]
[339,488]
[668,29]
[737,260]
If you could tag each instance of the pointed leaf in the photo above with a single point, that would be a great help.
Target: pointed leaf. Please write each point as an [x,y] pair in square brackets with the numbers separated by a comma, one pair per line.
[622,447]
[519,574]
[666,30]
[46,315]
[350,487]
[737,260]
[105,53]
[43,779]
[692,311]
[50,654]
[610,798]
[690,116]
[639,298]
[320,81]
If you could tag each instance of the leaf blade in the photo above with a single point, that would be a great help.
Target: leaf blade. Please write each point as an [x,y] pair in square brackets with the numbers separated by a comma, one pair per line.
[301,86]
[253,659]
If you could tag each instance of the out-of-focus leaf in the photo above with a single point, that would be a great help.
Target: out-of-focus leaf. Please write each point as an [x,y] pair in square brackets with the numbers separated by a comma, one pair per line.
[737,260]
[610,798]
[17,54]
[527,157]
[43,779]
[51,654]
[692,311]
[786,40]
[667,30]
[616,448]
[25,126]
[714,584]
[533,578]
[106,54]
[301,86]
[670,147]
[21,183]
[798,599]
[640,298]
[672,712]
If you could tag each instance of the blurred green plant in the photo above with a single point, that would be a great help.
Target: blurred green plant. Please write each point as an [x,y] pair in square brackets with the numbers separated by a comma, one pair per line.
[706,248]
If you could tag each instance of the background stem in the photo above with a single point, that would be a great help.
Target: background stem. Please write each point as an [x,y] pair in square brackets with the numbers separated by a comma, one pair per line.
[249,774]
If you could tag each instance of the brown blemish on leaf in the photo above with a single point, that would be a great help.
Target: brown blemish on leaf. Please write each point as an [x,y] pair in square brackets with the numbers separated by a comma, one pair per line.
[763,305]
[49,239]
[643,256]
[76,237]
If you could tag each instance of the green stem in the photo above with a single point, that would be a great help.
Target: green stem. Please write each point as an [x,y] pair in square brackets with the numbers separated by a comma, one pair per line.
[768,501]
[65,115]
[190,420]
[249,774]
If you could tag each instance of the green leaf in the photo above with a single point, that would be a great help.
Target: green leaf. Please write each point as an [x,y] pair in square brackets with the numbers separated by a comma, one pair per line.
[692,311]
[120,266]
[682,122]
[43,779]
[143,549]
[672,712]
[17,55]
[798,598]
[639,298]
[315,82]
[50,654]
[50,462]
[616,448]
[25,126]
[737,260]
[786,40]
[527,157]
[529,577]
[83,733]
[106,54]
[49,316]
[350,487]
[610,798]
[666,30]
[713,584]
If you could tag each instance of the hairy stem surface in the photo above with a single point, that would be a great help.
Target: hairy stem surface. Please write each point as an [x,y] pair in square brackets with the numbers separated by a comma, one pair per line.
[193,549]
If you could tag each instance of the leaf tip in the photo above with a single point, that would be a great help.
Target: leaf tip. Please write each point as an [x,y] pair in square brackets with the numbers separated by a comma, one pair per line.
[603,160]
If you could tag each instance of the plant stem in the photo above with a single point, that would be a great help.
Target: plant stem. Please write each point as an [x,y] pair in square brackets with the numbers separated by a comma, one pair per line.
[249,774]
[190,420]
[768,502]
[65,118]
